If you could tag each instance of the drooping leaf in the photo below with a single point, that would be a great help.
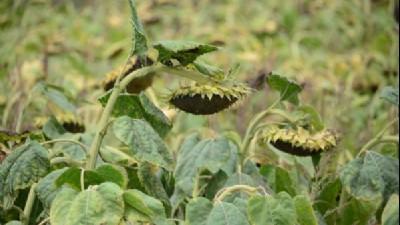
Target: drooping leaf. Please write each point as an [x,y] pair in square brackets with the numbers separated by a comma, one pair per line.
[52,129]
[391,95]
[269,210]
[22,167]
[139,107]
[390,215]
[326,199]
[211,155]
[184,51]
[288,89]
[373,177]
[47,189]
[113,173]
[152,183]
[139,40]
[305,211]
[279,179]
[97,205]
[313,116]
[56,96]
[358,211]
[209,70]
[143,141]
[146,205]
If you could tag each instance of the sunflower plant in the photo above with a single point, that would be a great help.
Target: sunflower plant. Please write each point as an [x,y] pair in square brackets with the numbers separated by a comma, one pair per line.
[279,171]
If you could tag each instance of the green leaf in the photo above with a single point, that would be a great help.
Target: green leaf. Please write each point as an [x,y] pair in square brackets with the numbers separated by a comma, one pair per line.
[97,205]
[326,198]
[56,96]
[390,215]
[23,167]
[184,51]
[152,183]
[52,129]
[305,211]
[210,154]
[146,205]
[288,89]
[47,189]
[391,95]
[279,179]
[197,211]
[103,173]
[143,141]
[239,179]
[226,213]
[373,177]
[139,40]
[358,212]
[139,107]
[313,116]
[14,222]
[209,70]
[269,210]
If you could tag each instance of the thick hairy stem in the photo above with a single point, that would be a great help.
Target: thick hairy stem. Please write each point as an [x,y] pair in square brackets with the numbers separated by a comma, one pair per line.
[105,116]
[29,204]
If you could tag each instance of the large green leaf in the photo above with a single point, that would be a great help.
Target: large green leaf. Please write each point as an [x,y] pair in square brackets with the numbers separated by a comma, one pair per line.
[143,141]
[139,40]
[390,215]
[288,89]
[391,95]
[146,205]
[139,107]
[373,177]
[22,167]
[358,211]
[47,189]
[201,211]
[184,51]
[193,157]
[326,198]
[98,205]
[269,210]
[304,210]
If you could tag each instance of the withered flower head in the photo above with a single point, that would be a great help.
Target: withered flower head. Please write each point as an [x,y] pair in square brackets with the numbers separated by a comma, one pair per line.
[136,85]
[206,99]
[70,123]
[299,141]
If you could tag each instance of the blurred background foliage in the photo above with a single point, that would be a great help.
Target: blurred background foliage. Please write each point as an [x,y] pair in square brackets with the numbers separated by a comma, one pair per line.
[343,52]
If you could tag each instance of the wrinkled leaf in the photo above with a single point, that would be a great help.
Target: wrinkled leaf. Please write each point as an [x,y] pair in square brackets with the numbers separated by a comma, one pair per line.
[279,179]
[197,211]
[22,167]
[305,211]
[47,189]
[184,51]
[288,89]
[97,205]
[139,107]
[143,141]
[269,210]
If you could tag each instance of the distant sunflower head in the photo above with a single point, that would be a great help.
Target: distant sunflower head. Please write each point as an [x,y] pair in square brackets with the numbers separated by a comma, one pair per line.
[206,99]
[69,122]
[136,85]
[298,141]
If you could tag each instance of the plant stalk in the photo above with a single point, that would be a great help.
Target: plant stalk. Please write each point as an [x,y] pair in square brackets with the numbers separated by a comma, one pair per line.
[105,116]
[29,204]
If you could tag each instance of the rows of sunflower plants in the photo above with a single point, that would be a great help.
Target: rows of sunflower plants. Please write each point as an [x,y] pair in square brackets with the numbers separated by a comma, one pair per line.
[282,170]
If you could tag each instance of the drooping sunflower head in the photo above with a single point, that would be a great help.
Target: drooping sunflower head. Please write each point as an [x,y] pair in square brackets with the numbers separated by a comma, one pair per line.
[299,141]
[136,85]
[206,99]
[70,122]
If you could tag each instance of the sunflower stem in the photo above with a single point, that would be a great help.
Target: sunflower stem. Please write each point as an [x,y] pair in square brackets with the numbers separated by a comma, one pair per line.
[29,205]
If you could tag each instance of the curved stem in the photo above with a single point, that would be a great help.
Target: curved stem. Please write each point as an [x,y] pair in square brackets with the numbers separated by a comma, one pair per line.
[229,190]
[29,204]
[105,116]
[84,147]
[67,160]
[192,75]
[379,138]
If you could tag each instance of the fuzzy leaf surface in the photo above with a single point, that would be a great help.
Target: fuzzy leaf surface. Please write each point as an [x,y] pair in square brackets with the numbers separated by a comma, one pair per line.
[305,211]
[47,189]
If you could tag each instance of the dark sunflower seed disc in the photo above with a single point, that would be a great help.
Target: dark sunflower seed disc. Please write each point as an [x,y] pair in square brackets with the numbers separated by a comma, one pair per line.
[198,105]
